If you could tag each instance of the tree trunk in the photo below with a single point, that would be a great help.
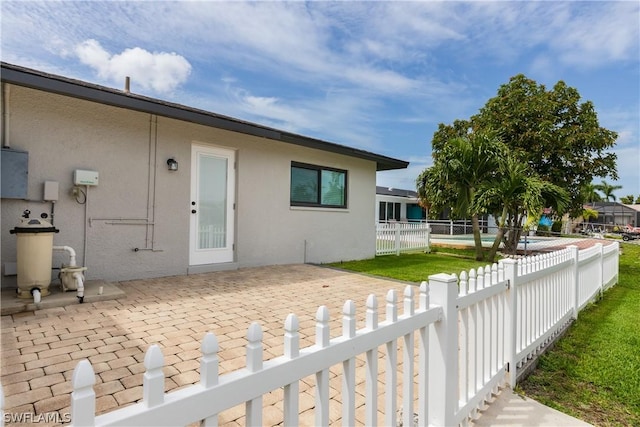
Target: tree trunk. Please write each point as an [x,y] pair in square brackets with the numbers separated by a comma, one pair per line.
[500,234]
[513,235]
[496,244]
[477,238]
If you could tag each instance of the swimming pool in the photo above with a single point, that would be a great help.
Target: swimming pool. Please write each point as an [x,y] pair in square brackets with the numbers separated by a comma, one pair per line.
[485,239]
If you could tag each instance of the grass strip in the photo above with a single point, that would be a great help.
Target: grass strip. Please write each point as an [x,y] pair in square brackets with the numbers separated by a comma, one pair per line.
[413,267]
[593,373]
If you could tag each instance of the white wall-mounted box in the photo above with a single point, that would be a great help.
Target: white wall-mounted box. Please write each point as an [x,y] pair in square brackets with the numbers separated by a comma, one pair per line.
[51,190]
[84,177]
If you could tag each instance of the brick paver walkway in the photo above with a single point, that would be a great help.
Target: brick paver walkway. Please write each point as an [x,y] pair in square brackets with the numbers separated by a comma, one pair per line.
[40,349]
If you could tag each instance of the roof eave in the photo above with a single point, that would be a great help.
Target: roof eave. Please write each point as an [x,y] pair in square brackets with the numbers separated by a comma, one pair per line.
[34,79]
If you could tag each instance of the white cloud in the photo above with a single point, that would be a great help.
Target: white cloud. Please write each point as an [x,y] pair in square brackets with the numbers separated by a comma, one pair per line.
[161,72]
[600,35]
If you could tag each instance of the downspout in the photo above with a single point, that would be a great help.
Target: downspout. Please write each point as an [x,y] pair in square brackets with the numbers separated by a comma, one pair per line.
[5,115]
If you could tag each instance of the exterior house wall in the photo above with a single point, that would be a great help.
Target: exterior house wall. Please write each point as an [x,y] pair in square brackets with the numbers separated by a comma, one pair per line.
[129,149]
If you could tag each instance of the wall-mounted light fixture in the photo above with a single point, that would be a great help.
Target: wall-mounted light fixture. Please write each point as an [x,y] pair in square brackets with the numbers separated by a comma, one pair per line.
[173,164]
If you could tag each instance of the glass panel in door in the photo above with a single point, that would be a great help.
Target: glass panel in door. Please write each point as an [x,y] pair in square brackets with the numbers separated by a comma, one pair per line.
[212,200]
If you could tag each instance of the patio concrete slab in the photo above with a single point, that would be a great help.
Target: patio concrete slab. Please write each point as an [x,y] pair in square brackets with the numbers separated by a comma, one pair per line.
[94,291]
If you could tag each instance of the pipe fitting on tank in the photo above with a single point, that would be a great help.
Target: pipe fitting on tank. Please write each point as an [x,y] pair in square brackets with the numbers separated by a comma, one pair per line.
[37,296]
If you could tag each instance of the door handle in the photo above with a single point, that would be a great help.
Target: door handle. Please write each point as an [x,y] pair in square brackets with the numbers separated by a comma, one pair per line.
[193,211]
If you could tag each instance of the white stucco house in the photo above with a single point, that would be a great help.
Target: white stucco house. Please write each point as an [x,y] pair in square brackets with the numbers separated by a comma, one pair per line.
[393,204]
[142,188]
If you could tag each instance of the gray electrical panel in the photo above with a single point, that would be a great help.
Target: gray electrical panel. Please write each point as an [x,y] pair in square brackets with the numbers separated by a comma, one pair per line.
[15,170]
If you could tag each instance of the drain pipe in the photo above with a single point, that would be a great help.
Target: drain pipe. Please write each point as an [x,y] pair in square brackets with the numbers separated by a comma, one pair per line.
[79,284]
[36,295]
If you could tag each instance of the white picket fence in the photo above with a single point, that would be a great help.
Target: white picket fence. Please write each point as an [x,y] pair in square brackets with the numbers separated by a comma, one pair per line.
[471,334]
[211,236]
[397,237]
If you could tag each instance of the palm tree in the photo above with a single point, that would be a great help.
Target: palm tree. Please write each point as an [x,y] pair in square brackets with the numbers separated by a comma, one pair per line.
[590,193]
[460,168]
[607,190]
[514,194]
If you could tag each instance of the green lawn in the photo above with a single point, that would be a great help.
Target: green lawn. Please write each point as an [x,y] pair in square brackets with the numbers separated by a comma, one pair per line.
[593,372]
[415,267]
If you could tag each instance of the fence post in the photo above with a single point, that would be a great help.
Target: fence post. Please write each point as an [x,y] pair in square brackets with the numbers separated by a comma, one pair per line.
[600,267]
[575,285]
[153,378]
[443,352]
[396,227]
[291,351]
[511,334]
[253,408]
[209,370]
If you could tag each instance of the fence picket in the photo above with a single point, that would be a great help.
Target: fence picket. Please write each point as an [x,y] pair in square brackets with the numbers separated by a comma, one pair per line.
[322,376]
[291,351]
[408,361]
[371,367]
[83,397]
[423,349]
[349,367]
[391,372]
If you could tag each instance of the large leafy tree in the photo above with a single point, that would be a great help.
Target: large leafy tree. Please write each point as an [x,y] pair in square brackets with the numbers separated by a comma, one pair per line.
[559,136]
[627,200]
[461,167]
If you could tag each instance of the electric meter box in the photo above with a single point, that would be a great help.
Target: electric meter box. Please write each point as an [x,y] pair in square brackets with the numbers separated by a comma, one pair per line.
[84,177]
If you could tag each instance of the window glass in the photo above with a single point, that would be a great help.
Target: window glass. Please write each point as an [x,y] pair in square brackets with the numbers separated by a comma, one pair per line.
[304,185]
[318,186]
[333,193]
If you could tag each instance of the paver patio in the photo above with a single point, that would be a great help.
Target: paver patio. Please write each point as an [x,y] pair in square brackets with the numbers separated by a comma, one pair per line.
[40,349]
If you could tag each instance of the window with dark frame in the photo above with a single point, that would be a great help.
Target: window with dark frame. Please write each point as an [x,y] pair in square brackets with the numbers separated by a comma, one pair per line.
[318,186]
[389,211]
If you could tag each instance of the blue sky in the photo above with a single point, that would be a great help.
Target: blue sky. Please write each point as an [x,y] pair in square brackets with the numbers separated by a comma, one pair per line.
[374,75]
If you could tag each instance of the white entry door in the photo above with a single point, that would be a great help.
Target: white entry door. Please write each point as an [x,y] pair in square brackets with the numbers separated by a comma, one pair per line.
[212,205]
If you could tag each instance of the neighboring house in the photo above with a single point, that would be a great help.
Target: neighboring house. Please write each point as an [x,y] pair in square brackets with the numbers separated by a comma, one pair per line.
[614,213]
[179,190]
[393,204]
[635,207]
